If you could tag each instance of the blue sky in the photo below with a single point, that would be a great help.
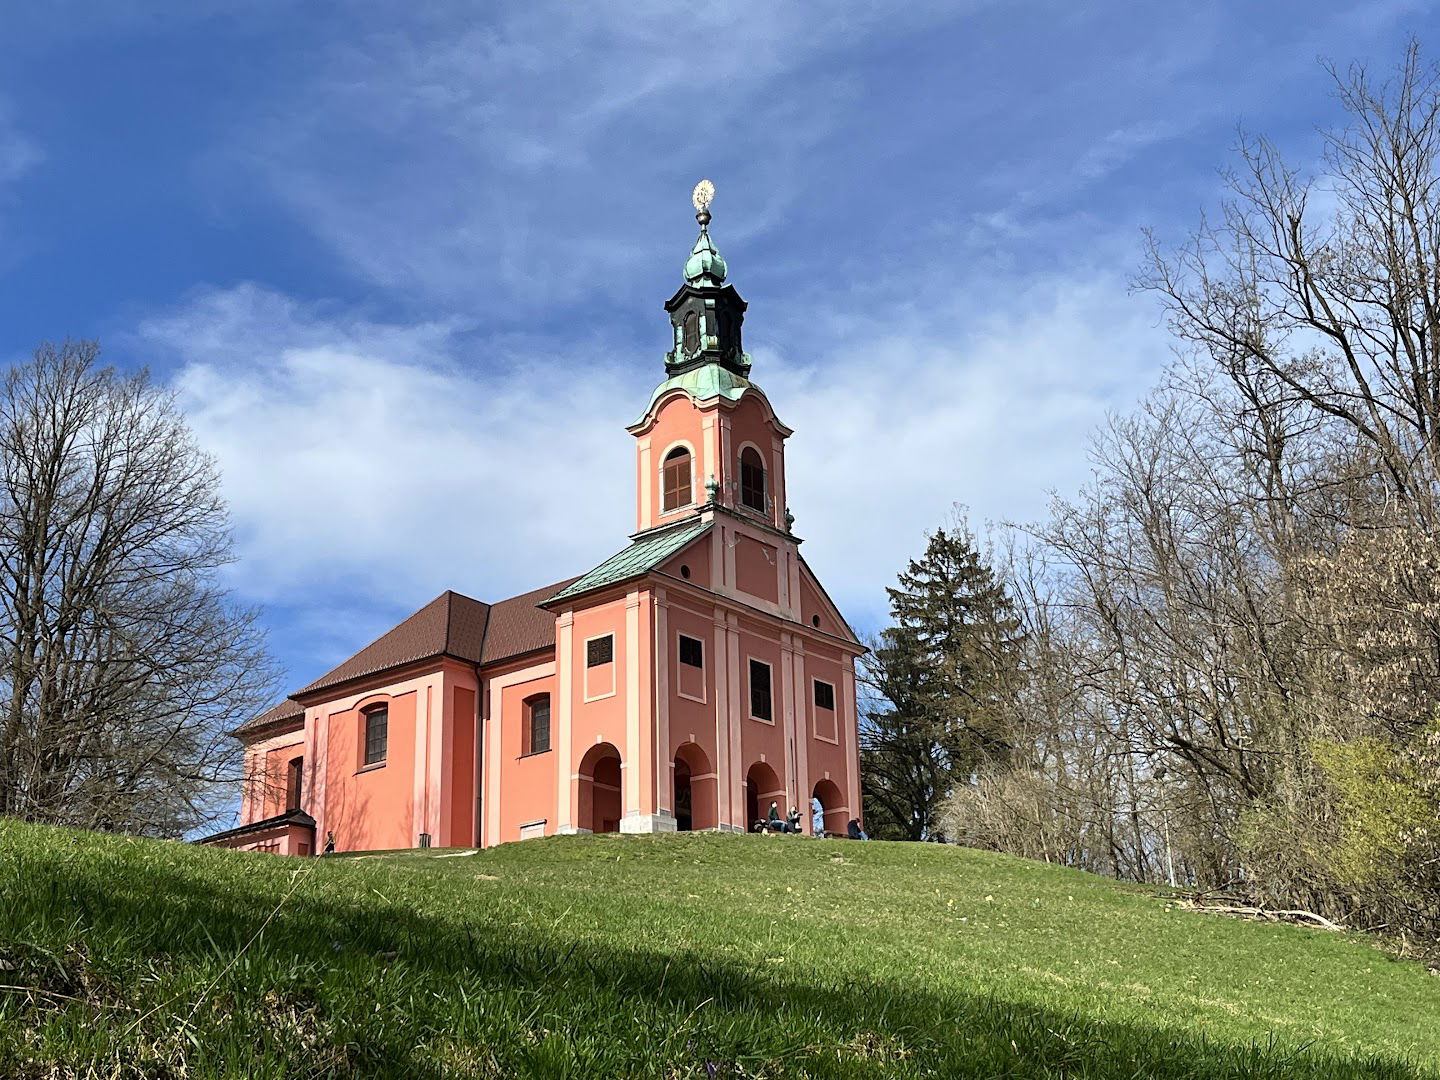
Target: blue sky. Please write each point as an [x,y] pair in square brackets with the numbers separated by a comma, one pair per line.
[404,262]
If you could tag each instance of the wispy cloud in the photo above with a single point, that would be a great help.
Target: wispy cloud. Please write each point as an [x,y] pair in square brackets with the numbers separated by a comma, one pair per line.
[19,154]
[553,140]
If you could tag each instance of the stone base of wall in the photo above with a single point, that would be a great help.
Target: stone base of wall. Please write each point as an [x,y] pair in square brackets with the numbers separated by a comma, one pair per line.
[647,823]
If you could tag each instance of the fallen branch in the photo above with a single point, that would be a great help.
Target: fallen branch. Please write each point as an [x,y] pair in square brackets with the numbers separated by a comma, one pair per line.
[1245,911]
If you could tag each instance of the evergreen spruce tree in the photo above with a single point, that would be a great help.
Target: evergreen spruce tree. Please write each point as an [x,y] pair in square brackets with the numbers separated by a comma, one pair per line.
[940,681]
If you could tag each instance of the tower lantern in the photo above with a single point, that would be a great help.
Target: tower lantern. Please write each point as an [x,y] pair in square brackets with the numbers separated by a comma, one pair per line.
[707,314]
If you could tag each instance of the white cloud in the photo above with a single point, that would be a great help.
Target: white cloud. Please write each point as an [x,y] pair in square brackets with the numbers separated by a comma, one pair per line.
[949,405]
[377,461]
[370,458]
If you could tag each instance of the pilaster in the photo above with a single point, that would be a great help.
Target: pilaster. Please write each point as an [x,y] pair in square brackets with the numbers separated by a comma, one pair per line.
[739,710]
[564,690]
[802,725]
[725,764]
[851,735]
[787,712]
[661,652]
[633,756]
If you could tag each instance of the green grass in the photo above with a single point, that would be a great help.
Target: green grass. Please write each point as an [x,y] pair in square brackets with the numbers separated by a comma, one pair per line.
[668,957]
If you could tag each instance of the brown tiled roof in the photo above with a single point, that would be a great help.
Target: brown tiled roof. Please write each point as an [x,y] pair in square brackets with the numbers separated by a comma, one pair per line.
[518,626]
[454,625]
[276,714]
[425,634]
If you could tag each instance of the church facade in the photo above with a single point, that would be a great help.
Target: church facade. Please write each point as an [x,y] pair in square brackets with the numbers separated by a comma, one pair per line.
[686,682]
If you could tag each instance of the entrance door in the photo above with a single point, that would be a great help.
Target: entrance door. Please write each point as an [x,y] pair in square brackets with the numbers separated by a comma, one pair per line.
[684,797]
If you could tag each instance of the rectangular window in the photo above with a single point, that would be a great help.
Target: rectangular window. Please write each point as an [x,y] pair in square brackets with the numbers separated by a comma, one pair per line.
[539,724]
[824,695]
[293,775]
[692,651]
[600,650]
[377,735]
[760,691]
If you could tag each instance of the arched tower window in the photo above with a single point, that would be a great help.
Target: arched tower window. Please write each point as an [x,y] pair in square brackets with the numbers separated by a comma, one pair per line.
[752,479]
[692,332]
[537,724]
[676,480]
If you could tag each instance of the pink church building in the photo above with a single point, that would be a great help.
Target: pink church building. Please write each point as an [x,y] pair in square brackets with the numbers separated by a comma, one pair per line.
[686,682]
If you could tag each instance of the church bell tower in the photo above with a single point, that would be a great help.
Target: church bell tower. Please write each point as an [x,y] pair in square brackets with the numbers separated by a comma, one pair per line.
[707,314]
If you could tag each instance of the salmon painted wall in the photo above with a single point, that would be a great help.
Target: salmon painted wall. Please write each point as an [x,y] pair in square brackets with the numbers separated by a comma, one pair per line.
[813,606]
[690,729]
[276,777]
[525,787]
[757,564]
[715,432]
[370,807]
[762,742]
[458,791]
[611,703]
[266,760]
[283,840]
[749,423]
[675,423]
[827,759]
[696,558]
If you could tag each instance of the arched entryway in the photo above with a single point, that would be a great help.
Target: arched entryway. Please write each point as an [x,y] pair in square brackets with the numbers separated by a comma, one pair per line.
[828,792]
[599,804]
[762,787]
[696,790]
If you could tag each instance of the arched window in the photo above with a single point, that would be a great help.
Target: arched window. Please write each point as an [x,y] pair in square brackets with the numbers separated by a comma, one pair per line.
[537,724]
[692,332]
[377,734]
[752,479]
[676,480]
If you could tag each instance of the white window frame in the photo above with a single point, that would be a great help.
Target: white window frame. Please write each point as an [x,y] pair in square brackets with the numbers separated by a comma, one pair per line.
[749,691]
[614,663]
[678,665]
[815,711]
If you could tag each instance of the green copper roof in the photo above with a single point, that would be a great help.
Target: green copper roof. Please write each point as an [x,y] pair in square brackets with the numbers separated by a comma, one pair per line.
[705,266]
[703,383]
[643,554]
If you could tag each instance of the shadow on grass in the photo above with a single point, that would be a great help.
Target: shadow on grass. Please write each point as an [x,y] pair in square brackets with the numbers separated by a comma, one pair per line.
[345,982]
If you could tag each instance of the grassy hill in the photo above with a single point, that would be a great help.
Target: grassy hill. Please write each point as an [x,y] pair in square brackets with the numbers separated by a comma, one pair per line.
[669,957]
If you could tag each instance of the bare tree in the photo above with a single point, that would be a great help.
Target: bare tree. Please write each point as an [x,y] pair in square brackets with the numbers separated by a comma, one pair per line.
[123,658]
[1327,287]
[1232,634]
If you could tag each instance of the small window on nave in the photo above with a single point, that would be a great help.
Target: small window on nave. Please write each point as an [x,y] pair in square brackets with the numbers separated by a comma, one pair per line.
[537,724]
[377,734]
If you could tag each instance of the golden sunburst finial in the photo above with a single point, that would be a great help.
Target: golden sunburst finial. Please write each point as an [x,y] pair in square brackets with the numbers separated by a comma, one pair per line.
[702,196]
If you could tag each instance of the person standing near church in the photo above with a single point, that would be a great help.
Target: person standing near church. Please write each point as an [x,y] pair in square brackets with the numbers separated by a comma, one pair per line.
[817,817]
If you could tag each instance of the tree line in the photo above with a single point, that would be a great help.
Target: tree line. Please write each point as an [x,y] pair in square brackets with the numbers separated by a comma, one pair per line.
[1218,664]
